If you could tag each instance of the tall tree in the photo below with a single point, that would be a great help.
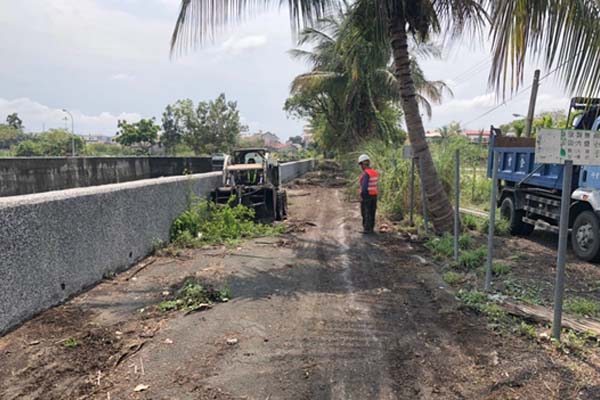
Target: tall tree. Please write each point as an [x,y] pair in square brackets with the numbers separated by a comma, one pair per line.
[172,130]
[211,126]
[143,134]
[14,121]
[565,34]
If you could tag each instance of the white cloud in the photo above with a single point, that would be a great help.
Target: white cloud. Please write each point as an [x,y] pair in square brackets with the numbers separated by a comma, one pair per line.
[121,77]
[35,116]
[236,44]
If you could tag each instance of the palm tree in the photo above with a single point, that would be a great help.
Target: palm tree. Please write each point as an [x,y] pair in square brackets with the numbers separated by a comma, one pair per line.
[557,30]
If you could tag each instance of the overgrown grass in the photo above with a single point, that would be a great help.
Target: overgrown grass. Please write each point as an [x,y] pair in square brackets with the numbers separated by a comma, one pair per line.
[394,174]
[501,269]
[442,247]
[501,227]
[206,223]
[582,306]
[452,278]
[194,295]
[472,259]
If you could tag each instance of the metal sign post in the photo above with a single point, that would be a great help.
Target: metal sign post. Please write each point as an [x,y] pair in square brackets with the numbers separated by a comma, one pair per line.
[412,191]
[563,233]
[492,225]
[423,196]
[456,203]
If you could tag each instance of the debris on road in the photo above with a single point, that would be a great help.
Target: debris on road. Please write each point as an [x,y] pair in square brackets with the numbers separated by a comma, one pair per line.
[232,341]
[141,388]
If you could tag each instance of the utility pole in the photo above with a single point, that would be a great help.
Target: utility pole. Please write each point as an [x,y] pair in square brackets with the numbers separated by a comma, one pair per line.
[532,100]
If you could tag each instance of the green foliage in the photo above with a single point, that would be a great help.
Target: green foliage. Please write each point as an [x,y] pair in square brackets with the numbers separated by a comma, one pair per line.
[527,330]
[528,293]
[470,221]
[207,223]
[211,127]
[501,227]
[142,134]
[172,134]
[53,143]
[582,306]
[443,246]
[452,278]
[493,311]
[501,269]
[473,298]
[10,136]
[472,259]
[193,295]
[71,343]
[107,149]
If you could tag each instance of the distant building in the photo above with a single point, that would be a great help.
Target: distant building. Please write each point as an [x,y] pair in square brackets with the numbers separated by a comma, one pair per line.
[477,136]
[433,136]
[98,139]
[307,135]
[266,139]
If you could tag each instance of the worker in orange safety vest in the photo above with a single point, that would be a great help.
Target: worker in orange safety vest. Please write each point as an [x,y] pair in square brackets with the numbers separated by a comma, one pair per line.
[368,193]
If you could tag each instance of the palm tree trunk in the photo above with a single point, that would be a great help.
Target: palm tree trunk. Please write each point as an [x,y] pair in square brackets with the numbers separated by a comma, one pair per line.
[438,205]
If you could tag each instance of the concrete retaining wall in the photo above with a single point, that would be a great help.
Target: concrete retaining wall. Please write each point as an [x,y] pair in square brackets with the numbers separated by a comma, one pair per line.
[292,170]
[55,244]
[36,175]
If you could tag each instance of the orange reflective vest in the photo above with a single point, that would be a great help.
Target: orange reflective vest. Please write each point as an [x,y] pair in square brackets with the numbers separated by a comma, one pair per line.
[372,178]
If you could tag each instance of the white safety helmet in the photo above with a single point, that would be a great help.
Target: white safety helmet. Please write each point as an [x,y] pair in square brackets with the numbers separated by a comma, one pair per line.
[362,158]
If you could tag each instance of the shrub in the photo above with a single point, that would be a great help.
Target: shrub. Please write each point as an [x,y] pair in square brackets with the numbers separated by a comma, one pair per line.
[443,246]
[527,330]
[207,223]
[472,298]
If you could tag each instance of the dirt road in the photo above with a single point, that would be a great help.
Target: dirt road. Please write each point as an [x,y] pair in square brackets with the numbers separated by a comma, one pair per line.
[321,313]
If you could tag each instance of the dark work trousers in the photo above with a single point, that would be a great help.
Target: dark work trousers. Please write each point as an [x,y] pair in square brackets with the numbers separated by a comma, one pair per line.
[368,207]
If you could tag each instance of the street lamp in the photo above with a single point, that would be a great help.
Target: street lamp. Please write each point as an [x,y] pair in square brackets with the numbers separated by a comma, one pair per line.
[72,131]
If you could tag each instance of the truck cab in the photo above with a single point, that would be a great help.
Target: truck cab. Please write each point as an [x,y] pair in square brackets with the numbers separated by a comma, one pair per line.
[530,193]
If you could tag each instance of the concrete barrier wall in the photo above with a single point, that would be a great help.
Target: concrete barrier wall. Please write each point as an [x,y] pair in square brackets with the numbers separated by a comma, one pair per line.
[36,175]
[292,170]
[55,244]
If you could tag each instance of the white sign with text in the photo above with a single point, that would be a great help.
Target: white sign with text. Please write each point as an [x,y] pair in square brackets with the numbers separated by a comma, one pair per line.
[554,146]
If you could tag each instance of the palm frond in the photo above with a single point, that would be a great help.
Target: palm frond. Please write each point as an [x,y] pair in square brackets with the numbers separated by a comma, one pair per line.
[200,21]
[565,35]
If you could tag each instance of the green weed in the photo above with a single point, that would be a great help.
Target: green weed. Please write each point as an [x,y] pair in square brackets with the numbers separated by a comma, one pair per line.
[194,295]
[493,311]
[501,227]
[582,306]
[527,330]
[442,247]
[472,259]
[472,298]
[470,221]
[452,278]
[528,293]
[501,269]
[71,343]
[207,223]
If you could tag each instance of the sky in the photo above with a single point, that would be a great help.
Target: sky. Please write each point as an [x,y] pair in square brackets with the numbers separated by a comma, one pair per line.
[106,60]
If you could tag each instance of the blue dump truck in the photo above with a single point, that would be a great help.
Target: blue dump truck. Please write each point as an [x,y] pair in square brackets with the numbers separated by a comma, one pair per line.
[529,192]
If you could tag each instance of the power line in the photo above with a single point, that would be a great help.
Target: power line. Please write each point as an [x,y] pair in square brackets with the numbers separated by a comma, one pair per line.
[520,92]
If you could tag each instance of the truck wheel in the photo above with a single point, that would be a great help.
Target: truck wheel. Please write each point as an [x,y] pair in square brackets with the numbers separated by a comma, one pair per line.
[585,238]
[515,218]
